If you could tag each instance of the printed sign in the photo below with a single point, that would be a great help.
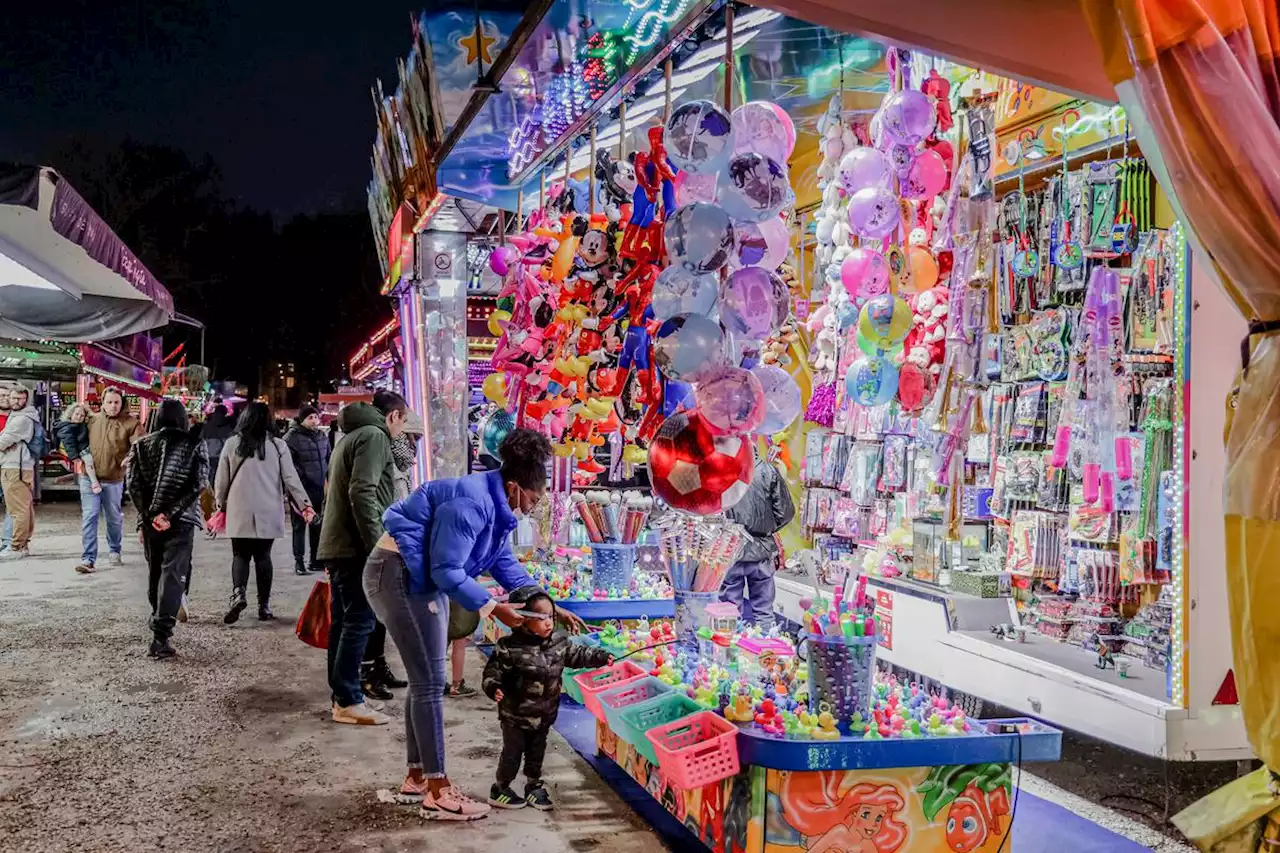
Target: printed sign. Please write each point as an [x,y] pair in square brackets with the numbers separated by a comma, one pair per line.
[884,614]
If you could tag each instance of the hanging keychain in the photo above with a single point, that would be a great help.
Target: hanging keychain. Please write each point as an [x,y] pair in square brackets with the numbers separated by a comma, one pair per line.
[1070,256]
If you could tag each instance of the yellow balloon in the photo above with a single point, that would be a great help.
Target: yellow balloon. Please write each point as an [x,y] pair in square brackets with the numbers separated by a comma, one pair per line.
[494,388]
[497,320]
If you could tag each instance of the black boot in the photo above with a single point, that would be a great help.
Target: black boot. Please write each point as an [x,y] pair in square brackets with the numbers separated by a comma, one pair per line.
[384,676]
[299,568]
[238,604]
[264,613]
[161,649]
[371,686]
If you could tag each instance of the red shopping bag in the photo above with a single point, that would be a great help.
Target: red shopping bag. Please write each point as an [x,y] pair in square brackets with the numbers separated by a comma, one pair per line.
[313,621]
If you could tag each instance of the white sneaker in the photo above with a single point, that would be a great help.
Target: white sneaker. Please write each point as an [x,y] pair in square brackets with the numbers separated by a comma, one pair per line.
[114,560]
[359,715]
[15,554]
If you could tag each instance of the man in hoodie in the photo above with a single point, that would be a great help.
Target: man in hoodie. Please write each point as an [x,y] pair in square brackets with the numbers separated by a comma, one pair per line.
[361,487]
[309,446]
[765,509]
[112,433]
[17,468]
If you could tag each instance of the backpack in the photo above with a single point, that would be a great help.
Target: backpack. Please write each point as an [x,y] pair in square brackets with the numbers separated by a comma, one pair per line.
[39,443]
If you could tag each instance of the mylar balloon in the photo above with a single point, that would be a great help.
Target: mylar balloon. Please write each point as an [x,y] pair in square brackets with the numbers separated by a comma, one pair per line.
[765,129]
[501,259]
[754,302]
[781,399]
[691,188]
[497,322]
[760,244]
[863,168]
[873,212]
[687,344]
[871,381]
[885,320]
[754,187]
[908,116]
[495,428]
[695,471]
[864,273]
[926,176]
[682,291]
[699,236]
[494,388]
[730,400]
[699,137]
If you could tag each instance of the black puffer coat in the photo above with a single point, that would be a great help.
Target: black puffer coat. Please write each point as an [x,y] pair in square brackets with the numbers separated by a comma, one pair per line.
[310,449]
[166,472]
[527,670]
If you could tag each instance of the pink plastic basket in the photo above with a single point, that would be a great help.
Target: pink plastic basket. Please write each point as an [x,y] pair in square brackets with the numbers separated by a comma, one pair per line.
[696,750]
[596,681]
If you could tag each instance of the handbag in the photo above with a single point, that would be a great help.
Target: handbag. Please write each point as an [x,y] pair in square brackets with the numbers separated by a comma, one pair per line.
[314,620]
[462,622]
[218,521]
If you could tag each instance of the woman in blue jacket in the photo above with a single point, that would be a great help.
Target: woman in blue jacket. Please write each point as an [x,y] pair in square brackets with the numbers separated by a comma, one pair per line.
[438,540]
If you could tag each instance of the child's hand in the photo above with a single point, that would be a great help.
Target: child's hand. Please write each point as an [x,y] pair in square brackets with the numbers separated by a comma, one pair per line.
[610,663]
[497,695]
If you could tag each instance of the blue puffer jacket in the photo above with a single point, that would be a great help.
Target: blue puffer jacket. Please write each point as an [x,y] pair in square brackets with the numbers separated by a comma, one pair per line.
[450,531]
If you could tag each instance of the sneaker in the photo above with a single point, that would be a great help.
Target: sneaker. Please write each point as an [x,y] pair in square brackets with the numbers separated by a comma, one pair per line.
[536,795]
[502,797]
[183,612]
[114,560]
[313,568]
[16,554]
[85,568]
[460,690]
[371,686]
[451,804]
[238,604]
[299,568]
[359,715]
[160,649]
[382,674]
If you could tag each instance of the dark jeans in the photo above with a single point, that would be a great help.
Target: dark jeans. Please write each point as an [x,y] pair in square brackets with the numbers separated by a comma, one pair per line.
[169,565]
[351,621]
[258,550]
[301,529]
[376,648]
[750,588]
[518,743]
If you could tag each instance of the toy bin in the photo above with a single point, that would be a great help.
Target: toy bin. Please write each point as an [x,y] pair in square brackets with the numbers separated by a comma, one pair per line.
[755,654]
[841,675]
[631,693]
[696,750]
[635,720]
[596,681]
[691,614]
[570,685]
[612,567]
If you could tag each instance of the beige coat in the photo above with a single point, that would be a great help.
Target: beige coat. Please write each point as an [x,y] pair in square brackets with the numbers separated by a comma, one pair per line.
[255,502]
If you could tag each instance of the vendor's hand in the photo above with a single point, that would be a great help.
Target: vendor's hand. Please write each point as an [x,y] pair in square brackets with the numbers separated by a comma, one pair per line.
[508,614]
[571,622]
[160,522]
[497,695]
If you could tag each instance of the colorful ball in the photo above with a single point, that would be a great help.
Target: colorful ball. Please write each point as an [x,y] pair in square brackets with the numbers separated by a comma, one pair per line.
[885,320]
[494,430]
[699,137]
[730,400]
[871,381]
[754,187]
[699,237]
[695,471]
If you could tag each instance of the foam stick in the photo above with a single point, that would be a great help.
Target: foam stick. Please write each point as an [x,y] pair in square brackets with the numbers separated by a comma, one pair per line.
[593,529]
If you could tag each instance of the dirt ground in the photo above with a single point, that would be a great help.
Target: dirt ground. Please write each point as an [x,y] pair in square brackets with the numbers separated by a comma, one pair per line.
[228,747]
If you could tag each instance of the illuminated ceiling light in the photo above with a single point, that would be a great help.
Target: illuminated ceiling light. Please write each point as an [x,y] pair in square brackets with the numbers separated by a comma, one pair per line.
[755,18]
[713,51]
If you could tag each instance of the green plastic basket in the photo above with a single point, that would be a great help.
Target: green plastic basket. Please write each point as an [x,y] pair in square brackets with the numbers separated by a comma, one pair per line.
[634,721]
[571,688]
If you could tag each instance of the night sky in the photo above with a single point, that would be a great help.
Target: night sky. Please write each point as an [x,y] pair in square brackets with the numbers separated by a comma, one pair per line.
[277,91]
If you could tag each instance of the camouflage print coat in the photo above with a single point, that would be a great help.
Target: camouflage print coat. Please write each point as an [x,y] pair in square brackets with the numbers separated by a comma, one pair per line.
[527,670]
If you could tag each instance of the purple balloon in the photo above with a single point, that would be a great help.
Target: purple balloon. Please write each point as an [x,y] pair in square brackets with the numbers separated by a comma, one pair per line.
[863,167]
[908,117]
[873,213]
[730,400]
[754,302]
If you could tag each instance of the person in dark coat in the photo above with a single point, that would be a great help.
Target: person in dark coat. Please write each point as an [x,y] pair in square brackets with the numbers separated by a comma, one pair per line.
[309,445]
[764,510]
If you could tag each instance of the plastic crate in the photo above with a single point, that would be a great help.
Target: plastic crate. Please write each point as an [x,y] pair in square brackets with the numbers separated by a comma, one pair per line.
[631,693]
[634,721]
[697,750]
[612,566]
[571,688]
[596,681]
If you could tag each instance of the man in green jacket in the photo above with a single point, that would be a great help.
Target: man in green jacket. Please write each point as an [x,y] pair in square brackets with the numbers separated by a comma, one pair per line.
[361,487]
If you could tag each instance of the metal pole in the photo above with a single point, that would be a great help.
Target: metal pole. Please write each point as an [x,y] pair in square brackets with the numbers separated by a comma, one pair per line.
[591,175]
[666,106]
[728,56]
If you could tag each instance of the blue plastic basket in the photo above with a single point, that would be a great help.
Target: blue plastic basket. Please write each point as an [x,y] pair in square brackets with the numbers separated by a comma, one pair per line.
[635,720]
[633,693]
[612,566]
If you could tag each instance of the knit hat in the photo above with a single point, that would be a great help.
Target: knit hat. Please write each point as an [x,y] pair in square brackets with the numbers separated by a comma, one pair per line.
[306,412]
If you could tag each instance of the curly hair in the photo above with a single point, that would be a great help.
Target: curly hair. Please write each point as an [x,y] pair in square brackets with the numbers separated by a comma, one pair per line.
[525,454]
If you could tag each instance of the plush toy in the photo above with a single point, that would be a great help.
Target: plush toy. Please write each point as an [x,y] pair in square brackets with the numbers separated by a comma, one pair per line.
[925,344]
[617,185]
[826,328]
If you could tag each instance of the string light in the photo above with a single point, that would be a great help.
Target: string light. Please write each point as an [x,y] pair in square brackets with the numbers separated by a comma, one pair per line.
[1182,328]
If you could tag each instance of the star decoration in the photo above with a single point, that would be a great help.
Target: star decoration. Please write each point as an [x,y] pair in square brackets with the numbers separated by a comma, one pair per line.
[477,45]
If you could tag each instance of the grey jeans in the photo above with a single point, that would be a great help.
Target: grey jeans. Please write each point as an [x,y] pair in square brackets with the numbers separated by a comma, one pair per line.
[419,625]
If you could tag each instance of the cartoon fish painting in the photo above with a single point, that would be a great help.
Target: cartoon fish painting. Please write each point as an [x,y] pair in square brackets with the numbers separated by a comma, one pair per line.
[974,817]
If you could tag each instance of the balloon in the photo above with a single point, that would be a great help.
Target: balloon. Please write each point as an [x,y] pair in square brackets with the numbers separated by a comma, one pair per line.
[497,322]
[864,272]
[863,168]
[699,137]
[760,244]
[765,129]
[754,302]
[873,212]
[683,291]
[494,388]
[781,398]
[908,116]
[871,381]
[926,176]
[699,236]
[924,269]
[695,471]
[501,259]
[730,400]
[691,188]
[494,429]
[900,159]
[754,187]
[687,344]
[871,348]
[885,320]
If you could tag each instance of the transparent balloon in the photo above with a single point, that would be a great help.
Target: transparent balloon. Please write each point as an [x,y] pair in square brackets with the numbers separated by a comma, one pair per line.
[753,302]
[760,244]
[908,116]
[764,128]
[679,290]
[691,188]
[754,187]
[687,344]
[864,168]
[699,137]
[873,212]
[699,236]
[782,401]
[730,400]
[864,272]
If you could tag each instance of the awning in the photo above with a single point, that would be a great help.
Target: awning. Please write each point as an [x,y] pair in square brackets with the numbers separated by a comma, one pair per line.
[64,274]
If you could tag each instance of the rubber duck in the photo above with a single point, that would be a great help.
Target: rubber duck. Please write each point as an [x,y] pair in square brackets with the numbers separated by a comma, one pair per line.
[740,710]
[826,727]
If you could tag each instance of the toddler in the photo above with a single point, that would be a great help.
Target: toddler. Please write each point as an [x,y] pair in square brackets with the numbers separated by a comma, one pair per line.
[73,433]
[523,677]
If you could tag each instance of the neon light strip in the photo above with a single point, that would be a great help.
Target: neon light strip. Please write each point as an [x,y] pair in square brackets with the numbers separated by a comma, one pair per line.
[1179,653]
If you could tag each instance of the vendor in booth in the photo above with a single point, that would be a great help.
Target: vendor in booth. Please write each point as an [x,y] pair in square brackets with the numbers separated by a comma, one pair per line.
[438,540]
[765,509]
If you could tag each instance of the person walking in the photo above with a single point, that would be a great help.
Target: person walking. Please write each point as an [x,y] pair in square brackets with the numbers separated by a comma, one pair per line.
[6,531]
[361,487]
[438,540]
[309,446]
[112,433]
[167,472]
[765,509]
[17,468]
[255,478]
